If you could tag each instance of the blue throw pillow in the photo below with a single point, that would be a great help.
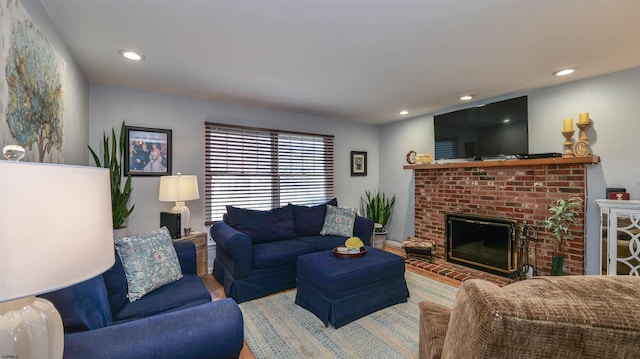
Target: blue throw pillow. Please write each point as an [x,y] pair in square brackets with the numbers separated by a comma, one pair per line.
[309,220]
[262,226]
[82,306]
[150,261]
[116,282]
[338,221]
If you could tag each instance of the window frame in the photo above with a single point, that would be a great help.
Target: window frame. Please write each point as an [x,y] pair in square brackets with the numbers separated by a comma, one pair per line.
[270,162]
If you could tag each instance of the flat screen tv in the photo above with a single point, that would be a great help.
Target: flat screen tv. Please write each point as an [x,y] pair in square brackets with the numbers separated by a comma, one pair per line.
[493,130]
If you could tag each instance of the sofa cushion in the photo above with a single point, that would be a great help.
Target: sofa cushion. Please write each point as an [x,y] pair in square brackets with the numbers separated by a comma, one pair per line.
[279,252]
[309,219]
[150,261]
[116,282]
[82,306]
[187,292]
[262,226]
[338,221]
[323,243]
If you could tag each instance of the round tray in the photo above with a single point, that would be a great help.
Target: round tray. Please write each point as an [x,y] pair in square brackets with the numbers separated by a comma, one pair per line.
[363,251]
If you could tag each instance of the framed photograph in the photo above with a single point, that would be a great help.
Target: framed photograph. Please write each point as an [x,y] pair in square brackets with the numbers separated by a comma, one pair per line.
[147,151]
[358,163]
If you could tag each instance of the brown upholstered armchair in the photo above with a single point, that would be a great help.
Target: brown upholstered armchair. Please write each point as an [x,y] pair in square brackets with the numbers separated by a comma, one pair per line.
[543,317]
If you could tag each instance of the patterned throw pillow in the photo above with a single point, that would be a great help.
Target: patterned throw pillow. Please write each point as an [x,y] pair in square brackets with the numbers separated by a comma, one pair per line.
[338,221]
[150,261]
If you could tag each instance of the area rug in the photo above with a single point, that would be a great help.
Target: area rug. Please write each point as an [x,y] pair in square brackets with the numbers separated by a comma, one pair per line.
[275,327]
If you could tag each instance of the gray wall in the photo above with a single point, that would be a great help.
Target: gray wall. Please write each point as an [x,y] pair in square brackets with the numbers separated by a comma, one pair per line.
[613,102]
[185,116]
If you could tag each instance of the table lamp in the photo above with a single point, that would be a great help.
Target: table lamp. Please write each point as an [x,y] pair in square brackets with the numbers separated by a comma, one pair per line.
[179,188]
[55,231]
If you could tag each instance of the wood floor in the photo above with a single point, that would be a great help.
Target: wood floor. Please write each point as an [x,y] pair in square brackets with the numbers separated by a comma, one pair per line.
[217,290]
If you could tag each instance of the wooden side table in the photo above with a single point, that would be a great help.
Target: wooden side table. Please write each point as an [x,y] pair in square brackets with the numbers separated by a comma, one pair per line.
[202,254]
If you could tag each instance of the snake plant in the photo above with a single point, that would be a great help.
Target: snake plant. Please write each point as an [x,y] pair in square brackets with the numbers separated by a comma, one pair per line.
[378,208]
[112,159]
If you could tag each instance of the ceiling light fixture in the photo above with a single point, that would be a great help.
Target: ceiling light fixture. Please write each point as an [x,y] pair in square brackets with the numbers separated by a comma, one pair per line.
[404,112]
[131,55]
[466,97]
[564,72]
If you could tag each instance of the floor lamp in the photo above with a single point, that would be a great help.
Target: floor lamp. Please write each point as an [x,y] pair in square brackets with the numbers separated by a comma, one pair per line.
[179,188]
[56,231]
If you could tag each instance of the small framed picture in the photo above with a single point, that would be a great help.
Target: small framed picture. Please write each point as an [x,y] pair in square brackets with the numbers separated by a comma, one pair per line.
[358,163]
[147,151]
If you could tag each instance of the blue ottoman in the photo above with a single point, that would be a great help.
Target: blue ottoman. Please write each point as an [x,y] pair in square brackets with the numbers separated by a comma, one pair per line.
[341,290]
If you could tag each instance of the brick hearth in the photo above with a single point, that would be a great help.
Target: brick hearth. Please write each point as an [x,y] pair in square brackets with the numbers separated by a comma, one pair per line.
[519,189]
[455,271]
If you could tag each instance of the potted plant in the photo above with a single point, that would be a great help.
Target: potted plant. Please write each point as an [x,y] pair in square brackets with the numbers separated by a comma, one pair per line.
[113,149]
[564,213]
[378,208]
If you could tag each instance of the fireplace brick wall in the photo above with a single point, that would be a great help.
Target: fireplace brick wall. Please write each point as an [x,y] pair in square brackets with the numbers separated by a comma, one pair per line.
[520,192]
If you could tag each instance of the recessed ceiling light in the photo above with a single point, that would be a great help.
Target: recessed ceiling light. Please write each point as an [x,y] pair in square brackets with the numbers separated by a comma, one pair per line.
[564,72]
[506,120]
[131,55]
[466,97]
[404,112]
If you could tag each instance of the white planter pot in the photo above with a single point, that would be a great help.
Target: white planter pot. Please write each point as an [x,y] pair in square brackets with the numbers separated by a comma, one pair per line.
[378,239]
[121,232]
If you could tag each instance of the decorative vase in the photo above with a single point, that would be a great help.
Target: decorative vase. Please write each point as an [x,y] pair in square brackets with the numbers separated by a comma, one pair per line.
[557,263]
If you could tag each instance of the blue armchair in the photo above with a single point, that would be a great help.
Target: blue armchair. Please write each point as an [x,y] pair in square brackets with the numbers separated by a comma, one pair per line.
[178,320]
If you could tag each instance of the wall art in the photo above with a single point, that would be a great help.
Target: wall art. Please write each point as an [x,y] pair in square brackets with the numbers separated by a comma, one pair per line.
[358,163]
[147,151]
[31,99]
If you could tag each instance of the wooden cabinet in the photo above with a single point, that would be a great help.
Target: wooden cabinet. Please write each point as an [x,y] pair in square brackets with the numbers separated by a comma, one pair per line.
[620,237]
[202,254]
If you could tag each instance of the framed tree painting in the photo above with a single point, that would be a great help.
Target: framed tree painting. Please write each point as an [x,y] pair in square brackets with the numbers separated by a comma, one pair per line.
[358,163]
[147,151]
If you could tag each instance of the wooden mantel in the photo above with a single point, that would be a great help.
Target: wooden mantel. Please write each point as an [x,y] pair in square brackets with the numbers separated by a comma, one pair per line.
[509,163]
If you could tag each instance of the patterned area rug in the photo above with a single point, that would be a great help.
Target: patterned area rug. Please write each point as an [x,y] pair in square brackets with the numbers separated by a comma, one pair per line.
[275,327]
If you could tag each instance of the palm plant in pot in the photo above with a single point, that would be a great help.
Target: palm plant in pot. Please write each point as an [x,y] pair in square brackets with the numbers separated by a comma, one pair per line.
[564,213]
[378,208]
[113,154]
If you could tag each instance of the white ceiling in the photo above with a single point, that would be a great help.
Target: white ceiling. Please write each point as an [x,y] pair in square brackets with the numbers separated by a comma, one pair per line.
[359,60]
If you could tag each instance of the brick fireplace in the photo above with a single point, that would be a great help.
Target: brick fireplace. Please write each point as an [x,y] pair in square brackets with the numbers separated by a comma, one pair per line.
[521,190]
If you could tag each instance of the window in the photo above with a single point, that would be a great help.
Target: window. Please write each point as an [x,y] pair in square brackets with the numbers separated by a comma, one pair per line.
[263,169]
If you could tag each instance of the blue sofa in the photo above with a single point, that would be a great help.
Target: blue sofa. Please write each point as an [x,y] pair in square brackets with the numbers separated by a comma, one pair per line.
[178,320]
[256,251]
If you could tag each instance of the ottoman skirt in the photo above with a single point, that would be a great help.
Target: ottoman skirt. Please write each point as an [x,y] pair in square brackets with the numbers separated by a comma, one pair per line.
[339,291]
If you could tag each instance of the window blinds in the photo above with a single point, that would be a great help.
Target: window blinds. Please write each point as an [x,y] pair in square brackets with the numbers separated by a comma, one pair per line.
[262,168]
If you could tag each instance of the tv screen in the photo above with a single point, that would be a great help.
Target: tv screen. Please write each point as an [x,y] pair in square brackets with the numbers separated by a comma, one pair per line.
[493,130]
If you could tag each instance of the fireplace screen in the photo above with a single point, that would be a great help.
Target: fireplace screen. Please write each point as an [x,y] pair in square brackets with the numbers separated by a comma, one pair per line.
[482,242]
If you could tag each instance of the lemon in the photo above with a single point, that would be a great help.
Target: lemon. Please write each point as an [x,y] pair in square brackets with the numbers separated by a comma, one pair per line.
[353,243]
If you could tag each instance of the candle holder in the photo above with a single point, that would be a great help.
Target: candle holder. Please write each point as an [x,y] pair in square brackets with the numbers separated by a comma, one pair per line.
[568,144]
[584,126]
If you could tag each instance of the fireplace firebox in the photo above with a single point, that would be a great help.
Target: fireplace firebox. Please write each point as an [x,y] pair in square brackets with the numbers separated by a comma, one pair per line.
[484,243]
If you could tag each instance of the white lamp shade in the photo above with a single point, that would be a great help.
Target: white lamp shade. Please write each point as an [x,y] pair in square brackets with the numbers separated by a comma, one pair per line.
[55,227]
[178,188]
